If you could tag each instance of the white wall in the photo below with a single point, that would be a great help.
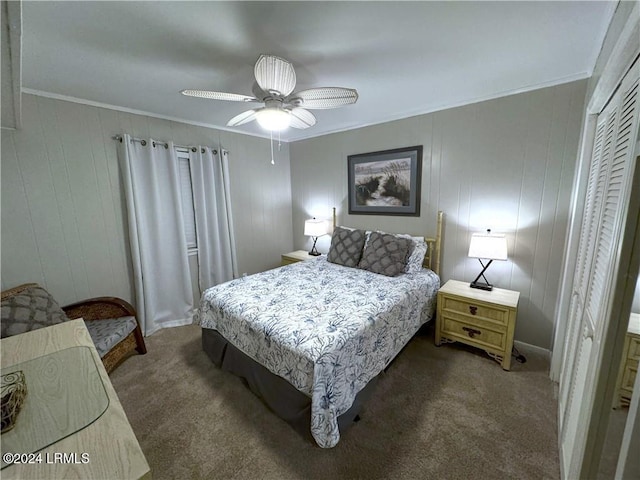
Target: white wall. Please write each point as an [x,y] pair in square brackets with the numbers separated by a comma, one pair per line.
[63,214]
[505,164]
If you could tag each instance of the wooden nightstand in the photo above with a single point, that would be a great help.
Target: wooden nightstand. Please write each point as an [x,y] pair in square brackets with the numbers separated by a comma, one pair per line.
[478,318]
[297,256]
[629,364]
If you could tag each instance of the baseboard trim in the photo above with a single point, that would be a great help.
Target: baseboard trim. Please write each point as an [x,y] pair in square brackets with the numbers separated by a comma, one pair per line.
[173,323]
[527,346]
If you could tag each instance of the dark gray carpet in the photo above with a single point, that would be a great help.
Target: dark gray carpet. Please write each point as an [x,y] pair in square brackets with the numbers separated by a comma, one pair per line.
[439,412]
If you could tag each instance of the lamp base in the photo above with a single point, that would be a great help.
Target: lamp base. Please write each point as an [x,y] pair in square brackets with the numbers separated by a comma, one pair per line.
[314,251]
[481,286]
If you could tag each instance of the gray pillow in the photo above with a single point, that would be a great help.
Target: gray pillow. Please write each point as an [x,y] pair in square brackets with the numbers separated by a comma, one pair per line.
[385,254]
[346,246]
[30,309]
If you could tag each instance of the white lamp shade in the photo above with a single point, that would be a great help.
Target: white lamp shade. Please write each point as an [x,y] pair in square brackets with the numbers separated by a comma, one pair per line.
[315,228]
[273,118]
[489,246]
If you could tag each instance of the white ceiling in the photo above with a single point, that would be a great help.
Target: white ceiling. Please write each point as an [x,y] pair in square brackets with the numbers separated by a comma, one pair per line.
[404,58]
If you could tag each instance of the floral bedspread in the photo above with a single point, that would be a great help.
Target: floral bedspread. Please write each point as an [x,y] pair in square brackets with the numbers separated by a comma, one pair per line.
[325,328]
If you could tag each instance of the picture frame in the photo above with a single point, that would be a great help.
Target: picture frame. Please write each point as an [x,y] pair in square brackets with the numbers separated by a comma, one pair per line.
[385,182]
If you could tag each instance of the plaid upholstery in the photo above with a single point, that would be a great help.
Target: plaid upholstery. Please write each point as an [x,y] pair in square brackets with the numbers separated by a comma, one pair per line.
[107,333]
[30,309]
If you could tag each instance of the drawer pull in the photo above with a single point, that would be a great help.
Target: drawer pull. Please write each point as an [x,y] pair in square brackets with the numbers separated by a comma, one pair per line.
[472,332]
[473,309]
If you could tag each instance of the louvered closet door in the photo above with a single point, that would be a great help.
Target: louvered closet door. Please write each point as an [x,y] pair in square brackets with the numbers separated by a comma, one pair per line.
[593,204]
[585,251]
[607,194]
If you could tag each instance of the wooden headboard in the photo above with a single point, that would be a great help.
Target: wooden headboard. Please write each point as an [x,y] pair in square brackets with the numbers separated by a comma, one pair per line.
[434,251]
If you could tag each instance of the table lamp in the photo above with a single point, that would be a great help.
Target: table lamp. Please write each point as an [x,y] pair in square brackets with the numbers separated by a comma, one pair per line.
[490,247]
[315,228]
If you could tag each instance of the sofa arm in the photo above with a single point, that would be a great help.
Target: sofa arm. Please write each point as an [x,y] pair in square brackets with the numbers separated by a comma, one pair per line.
[99,308]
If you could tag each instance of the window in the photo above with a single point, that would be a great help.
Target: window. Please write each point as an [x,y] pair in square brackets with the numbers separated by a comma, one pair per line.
[186,193]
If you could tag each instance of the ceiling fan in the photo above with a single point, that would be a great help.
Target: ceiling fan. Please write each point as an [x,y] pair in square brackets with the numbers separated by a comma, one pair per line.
[275,81]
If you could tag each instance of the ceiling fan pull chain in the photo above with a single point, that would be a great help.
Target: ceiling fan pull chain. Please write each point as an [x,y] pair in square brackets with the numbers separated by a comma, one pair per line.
[271,143]
[279,143]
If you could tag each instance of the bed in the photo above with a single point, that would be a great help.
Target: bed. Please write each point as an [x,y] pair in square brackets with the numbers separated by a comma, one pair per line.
[311,338]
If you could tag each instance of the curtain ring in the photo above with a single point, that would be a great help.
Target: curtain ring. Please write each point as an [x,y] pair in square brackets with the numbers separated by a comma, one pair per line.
[202,151]
[194,149]
[166,146]
[144,143]
[215,152]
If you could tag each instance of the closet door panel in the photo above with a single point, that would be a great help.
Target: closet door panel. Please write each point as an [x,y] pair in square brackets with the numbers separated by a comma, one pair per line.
[585,248]
[607,194]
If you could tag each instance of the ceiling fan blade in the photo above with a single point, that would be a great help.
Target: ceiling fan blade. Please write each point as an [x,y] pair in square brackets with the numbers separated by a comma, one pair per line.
[232,97]
[259,93]
[244,117]
[274,74]
[325,97]
[301,118]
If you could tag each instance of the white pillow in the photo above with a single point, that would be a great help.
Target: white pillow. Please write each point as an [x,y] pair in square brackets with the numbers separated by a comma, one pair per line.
[416,258]
[416,253]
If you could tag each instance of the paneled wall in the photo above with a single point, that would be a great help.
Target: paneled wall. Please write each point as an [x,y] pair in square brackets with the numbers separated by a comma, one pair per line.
[63,212]
[505,164]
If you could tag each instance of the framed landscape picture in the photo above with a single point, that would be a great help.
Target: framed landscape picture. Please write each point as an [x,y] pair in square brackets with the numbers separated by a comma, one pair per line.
[385,183]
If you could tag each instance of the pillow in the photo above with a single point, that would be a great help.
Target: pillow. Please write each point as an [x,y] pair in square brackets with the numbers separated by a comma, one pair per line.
[416,257]
[30,309]
[417,251]
[346,246]
[385,254]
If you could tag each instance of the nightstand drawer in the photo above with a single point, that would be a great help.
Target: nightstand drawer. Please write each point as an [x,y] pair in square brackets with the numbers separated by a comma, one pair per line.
[634,348]
[629,375]
[476,310]
[629,364]
[476,334]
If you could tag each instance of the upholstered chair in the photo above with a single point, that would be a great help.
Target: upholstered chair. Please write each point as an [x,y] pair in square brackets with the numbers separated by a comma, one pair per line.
[112,322]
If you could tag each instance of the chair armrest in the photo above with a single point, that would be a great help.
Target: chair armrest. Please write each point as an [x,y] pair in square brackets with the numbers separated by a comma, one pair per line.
[103,308]
[99,308]
[15,290]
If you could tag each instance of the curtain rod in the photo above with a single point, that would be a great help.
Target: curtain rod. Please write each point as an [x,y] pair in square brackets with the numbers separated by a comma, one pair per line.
[165,144]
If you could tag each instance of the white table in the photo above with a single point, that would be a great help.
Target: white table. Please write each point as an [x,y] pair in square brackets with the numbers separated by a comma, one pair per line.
[105,449]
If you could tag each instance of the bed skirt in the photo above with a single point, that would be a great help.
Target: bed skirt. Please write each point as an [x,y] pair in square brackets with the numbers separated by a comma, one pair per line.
[280,396]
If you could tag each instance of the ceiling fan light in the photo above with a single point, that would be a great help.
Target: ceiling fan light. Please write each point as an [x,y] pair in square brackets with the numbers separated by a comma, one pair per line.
[274,119]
